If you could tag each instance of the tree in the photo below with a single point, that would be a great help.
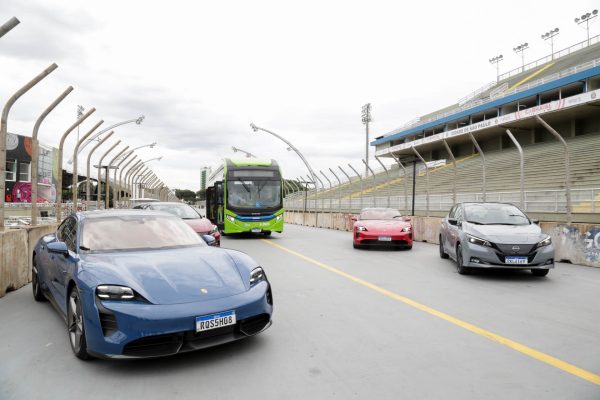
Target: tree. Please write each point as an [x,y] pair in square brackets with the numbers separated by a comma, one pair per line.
[186,195]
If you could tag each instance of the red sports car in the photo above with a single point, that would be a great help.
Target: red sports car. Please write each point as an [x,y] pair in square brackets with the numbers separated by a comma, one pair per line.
[382,227]
[201,225]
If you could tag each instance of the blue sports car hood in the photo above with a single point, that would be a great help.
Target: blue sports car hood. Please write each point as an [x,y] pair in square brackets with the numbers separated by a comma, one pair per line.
[171,276]
[506,234]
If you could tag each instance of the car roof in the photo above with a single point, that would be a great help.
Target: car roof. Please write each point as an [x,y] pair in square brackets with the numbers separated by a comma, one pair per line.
[120,213]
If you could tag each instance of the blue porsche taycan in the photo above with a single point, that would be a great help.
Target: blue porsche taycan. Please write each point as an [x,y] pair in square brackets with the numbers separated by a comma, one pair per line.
[144,284]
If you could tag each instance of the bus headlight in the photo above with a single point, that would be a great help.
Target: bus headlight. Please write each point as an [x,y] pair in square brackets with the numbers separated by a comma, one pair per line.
[278,218]
[230,218]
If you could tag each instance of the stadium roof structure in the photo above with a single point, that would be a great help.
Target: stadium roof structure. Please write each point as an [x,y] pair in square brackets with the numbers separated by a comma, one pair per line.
[563,85]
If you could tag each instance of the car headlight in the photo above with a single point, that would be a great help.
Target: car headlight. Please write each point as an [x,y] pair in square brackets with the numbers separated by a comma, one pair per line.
[361,229]
[256,275]
[277,218]
[545,242]
[230,218]
[406,229]
[478,241]
[113,292]
[214,229]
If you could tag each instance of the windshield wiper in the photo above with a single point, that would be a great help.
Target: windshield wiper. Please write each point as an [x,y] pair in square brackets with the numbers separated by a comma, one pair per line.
[245,187]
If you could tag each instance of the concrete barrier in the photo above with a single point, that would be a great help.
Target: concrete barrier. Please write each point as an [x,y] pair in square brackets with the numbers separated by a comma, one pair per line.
[575,243]
[16,248]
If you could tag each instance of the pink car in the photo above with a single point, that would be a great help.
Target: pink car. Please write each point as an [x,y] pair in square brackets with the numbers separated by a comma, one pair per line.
[202,226]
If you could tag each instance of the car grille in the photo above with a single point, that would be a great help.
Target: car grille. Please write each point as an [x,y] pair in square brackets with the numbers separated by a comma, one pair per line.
[507,249]
[377,242]
[162,345]
[153,346]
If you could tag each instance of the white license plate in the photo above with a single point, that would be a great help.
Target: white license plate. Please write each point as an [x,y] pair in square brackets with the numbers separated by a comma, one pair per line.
[214,321]
[256,230]
[516,260]
[385,238]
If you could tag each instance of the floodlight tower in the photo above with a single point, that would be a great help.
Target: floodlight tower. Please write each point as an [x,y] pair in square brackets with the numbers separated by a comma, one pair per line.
[366,118]
[550,35]
[586,18]
[521,49]
[496,60]
[247,153]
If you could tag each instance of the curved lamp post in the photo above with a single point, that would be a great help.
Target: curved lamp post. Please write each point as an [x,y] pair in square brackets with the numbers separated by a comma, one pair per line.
[60,159]
[110,165]
[89,158]
[99,186]
[116,183]
[291,146]
[137,121]
[4,129]
[125,181]
[122,187]
[36,153]
[75,180]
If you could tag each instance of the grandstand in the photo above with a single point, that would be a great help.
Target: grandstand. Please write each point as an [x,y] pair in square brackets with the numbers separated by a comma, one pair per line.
[563,90]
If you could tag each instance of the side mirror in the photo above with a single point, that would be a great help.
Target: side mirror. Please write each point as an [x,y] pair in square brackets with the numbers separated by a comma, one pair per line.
[407,218]
[58,248]
[536,221]
[354,219]
[209,239]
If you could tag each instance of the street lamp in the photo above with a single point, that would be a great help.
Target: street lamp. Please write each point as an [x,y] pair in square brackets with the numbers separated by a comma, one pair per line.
[586,18]
[496,60]
[366,118]
[151,145]
[137,121]
[248,154]
[153,159]
[521,49]
[291,146]
[550,35]
[8,25]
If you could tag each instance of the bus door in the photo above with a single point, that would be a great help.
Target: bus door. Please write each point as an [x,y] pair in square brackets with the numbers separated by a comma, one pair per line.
[210,204]
[220,204]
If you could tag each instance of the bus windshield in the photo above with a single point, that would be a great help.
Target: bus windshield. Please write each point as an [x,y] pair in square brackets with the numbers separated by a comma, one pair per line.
[254,194]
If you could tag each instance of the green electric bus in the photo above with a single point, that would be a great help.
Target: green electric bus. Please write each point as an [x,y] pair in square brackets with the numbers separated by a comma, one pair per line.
[246,196]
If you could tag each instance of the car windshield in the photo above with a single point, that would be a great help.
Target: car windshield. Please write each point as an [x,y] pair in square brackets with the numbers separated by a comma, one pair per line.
[380,213]
[254,194]
[136,232]
[495,214]
[179,210]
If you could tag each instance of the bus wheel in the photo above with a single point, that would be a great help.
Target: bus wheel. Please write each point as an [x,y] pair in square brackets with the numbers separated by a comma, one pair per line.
[267,233]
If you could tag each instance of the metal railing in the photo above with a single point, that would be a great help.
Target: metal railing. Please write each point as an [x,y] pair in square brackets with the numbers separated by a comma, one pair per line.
[541,201]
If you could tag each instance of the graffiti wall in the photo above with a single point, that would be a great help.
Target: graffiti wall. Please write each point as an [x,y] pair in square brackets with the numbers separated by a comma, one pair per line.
[577,243]
[18,171]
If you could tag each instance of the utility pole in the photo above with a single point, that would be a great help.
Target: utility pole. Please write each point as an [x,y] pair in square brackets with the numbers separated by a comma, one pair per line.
[366,118]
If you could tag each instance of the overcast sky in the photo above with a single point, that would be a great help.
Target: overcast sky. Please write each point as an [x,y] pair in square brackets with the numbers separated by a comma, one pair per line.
[202,71]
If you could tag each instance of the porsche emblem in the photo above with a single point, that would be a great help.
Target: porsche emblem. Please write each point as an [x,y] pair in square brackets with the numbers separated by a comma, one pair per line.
[204,291]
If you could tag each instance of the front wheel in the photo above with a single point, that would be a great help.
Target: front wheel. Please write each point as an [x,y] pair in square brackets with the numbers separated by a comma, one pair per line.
[443,253]
[459,262]
[76,329]
[540,272]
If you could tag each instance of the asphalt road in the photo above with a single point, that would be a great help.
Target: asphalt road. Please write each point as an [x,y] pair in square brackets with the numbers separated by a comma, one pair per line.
[348,324]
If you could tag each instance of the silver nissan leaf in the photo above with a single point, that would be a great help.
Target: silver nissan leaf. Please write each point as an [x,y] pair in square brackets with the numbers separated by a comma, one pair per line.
[494,235]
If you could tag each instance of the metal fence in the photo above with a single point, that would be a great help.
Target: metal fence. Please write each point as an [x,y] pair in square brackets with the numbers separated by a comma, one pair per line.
[540,201]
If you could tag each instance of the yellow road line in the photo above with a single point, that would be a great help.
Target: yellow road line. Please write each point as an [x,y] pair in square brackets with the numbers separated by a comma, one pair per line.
[538,355]
[539,71]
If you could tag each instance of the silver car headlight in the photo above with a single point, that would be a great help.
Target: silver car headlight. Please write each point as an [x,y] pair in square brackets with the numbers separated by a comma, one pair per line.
[256,276]
[406,229]
[114,292]
[214,229]
[478,241]
[546,242]
[361,229]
